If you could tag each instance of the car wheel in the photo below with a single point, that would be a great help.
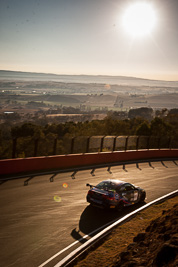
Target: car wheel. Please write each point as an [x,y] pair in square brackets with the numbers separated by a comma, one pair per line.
[120,206]
[143,196]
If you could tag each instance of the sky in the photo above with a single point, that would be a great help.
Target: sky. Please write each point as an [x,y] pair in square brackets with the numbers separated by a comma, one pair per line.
[87,37]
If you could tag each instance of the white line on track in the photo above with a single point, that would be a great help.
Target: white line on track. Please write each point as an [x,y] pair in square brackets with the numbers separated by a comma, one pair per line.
[116,221]
[74,243]
[103,232]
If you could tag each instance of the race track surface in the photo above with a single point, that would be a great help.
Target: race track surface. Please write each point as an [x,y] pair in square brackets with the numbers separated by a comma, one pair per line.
[41,219]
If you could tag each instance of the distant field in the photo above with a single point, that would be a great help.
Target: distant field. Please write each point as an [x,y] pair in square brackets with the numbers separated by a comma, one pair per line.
[129,93]
[116,102]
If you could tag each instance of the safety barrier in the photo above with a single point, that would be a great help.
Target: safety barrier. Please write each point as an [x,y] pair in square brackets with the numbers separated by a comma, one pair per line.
[62,162]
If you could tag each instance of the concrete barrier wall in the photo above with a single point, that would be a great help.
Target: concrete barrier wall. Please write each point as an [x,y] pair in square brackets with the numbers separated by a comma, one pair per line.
[17,166]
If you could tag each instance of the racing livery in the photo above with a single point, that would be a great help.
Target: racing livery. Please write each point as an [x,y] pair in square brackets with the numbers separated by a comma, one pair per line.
[115,194]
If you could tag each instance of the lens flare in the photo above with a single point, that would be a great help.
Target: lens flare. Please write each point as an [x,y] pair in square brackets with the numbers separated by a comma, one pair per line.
[65,185]
[57,199]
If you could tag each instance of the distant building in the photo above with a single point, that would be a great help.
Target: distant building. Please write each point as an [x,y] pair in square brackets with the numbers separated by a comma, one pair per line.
[144,112]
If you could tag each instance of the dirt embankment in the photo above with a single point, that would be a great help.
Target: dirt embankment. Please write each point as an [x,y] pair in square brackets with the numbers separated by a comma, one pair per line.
[157,246]
[149,239]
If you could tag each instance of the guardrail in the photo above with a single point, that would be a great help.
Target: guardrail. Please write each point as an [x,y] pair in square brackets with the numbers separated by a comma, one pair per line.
[62,162]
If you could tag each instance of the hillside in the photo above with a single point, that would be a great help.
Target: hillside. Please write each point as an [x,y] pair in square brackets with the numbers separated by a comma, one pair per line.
[103,79]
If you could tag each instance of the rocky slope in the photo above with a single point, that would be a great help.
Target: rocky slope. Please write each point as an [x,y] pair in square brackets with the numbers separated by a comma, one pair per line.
[157,246]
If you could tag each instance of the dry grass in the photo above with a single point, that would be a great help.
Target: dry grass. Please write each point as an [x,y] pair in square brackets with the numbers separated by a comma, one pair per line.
[107,253]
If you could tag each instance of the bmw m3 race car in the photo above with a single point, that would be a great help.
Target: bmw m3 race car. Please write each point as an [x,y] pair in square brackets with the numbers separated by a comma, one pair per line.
[115,194]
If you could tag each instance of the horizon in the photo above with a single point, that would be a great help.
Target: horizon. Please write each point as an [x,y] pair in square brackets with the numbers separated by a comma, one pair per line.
[95,75]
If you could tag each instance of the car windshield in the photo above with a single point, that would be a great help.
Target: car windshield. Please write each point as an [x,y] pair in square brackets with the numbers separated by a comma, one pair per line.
[107,185]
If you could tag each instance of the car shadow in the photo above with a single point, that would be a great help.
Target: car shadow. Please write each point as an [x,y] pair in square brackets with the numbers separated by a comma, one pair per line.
[93,220]
[175,162]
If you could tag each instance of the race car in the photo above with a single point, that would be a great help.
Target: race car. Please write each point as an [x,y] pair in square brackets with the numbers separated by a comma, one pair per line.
[114,194]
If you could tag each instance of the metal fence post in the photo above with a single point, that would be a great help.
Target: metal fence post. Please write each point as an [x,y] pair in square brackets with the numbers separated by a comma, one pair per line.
[126,142]
[54,146]
[114,143]
[137,142]
[169,142]
[14,145]
[148,143]
[88,144]
[159,142]
[101,145]
[35,147]
[72,144]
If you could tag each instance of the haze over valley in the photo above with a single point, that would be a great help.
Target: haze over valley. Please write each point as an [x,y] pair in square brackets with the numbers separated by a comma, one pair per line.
[26,93]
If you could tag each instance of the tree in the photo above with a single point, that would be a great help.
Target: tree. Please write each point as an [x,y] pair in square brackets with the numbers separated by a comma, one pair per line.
[143,129]
[26,129]
[160,127]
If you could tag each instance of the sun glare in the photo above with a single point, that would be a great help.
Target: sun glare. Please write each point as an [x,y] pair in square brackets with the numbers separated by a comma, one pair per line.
[139,19]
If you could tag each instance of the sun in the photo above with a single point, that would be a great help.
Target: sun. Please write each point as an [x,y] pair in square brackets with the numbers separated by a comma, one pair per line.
[139,19]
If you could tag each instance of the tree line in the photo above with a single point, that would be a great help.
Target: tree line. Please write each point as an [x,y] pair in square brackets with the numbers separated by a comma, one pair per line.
[26,134]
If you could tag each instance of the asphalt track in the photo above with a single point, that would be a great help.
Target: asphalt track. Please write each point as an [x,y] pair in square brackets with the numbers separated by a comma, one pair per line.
[44,221]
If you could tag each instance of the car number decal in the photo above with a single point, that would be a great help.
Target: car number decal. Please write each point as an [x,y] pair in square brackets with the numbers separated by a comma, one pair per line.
[135,195]
[116,196]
